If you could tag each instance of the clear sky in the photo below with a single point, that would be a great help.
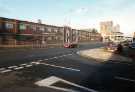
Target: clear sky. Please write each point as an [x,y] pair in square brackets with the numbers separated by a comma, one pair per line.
[76,13]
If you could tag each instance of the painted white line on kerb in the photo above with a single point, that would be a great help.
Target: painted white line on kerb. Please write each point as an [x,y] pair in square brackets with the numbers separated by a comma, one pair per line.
[12,67]
[18,68]
[5,71]
[125,79]
[61,67]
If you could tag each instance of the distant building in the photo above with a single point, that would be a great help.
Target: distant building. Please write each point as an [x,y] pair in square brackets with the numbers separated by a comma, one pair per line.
[134,37]
[88,35]
[109,32]
[116,28]
[20,33]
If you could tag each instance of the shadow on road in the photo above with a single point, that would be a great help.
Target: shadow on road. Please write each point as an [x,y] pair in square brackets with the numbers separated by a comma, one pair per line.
[112,76]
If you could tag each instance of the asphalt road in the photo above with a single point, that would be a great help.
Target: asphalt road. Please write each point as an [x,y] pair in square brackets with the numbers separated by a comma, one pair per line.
[21,68]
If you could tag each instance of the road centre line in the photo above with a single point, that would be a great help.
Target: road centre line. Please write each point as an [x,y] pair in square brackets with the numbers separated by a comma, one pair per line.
[23,64]
[28,65]
[12,67]
[68,68]
[56,57]
[18,68]
[70,54]
[45,59]
[5,71]
[39,60]
[2,69]
[125,79]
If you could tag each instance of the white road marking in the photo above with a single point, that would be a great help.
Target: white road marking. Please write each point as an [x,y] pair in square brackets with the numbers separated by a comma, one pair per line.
[28,65]
[64,55]
[50,58]
[60,67]
[32,63]
[70,54]
[126,79]
[12,67]
[2,69]
[61,56]
[55,57]
[23,64]
[18,68]
[45,59]
[37,63]
[39,60]
[5,71]
[48,82]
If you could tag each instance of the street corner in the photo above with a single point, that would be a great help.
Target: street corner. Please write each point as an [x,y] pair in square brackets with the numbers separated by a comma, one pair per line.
[102,55]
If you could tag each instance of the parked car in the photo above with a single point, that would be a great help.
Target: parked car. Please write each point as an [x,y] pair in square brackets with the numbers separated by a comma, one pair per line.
[132,45]
[111,46]
[125,43]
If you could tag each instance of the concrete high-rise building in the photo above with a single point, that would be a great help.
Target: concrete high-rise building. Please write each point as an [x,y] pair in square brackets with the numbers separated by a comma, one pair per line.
[109,32]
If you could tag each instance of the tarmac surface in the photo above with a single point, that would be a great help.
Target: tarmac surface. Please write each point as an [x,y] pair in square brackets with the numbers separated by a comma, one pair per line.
[20,69]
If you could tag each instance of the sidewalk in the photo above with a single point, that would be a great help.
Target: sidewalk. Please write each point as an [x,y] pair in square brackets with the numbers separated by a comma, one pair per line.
[100,54]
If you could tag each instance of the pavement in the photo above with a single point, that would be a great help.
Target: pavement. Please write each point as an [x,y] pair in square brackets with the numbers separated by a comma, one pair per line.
[103,55]
[21,69]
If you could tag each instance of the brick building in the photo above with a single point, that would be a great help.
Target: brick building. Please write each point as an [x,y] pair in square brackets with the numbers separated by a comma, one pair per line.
[15,32]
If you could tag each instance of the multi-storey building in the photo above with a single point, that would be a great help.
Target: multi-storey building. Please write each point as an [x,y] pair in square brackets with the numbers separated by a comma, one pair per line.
[18,32]
[110,32]
[89,35]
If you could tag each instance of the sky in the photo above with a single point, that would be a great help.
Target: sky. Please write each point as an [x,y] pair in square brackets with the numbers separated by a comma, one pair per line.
[80,14]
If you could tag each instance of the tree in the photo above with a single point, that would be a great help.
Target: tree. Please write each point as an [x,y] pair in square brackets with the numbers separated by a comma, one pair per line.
[94,30]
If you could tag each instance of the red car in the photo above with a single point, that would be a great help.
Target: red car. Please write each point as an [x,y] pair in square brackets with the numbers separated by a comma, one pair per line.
[70,45]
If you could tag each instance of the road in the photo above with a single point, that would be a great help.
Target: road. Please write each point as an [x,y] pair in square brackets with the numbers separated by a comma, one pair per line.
[21,69]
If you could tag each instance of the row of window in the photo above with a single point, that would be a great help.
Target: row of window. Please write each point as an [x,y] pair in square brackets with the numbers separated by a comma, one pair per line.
[23,26]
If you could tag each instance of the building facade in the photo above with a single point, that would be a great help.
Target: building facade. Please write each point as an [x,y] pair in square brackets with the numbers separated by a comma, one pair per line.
[109,32]
[15,32]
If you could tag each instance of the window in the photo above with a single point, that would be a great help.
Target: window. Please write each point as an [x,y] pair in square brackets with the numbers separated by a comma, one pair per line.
[52,30]
[22,26]
[49,29]
[46,30]
[49,38]
[33,27]
[56,30]
[9,26]
[41,28]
